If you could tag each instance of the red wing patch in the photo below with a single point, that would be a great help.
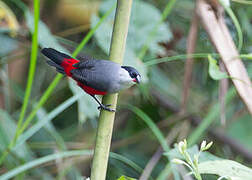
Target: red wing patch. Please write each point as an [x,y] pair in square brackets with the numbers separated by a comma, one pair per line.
[90,90]
[67,64]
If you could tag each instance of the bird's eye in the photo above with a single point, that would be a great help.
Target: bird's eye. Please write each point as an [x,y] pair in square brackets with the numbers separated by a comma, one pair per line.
[134,74]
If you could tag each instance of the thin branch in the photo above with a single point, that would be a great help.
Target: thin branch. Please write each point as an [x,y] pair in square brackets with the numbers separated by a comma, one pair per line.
[191,43]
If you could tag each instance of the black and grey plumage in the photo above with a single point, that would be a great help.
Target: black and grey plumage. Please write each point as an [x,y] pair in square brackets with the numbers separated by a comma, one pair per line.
[95,77]
[103,75]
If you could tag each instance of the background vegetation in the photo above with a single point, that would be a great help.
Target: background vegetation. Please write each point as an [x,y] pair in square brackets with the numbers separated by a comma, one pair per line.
[48,124]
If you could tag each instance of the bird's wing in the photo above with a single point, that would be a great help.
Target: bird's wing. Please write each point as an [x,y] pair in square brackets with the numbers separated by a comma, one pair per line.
[85,64]
[84,57]
[95,73]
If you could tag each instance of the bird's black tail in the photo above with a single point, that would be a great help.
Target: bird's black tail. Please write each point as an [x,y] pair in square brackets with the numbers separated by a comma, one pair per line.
[56,58]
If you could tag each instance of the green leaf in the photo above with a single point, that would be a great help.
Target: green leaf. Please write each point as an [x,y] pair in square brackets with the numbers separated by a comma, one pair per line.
[227,168]
[214,70]
[141,28]
[45,37]
[7,132]
[125,178]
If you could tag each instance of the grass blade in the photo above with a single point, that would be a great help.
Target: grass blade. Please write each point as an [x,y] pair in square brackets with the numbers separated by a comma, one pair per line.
[178,57]
[24,137]
[126,161]
[32,164]
[32,68]
[151,125]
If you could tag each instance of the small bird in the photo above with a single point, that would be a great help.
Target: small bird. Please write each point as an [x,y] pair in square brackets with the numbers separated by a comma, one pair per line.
[95,77]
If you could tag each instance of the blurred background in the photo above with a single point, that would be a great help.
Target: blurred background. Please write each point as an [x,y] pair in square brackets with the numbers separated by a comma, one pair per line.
[70,116]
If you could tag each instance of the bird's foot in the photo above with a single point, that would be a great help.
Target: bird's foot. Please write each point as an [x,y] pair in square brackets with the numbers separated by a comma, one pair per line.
[106,107]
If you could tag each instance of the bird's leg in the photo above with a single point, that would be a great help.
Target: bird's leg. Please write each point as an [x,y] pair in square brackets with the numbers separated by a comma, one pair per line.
[102,106]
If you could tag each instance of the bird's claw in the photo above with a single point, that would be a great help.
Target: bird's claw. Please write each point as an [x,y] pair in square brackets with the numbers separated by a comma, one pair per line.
[106,107]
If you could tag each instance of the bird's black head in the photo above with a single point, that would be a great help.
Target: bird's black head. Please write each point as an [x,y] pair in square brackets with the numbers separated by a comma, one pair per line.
[134,74]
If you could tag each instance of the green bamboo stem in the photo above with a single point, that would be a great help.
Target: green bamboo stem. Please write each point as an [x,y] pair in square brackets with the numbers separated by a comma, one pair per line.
[106,118]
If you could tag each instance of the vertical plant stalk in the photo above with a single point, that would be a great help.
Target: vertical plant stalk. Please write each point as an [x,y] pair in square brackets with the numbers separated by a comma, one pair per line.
[106,118]
[32,68]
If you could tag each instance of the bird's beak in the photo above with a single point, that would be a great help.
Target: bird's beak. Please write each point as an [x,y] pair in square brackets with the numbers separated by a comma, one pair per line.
[138,79]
